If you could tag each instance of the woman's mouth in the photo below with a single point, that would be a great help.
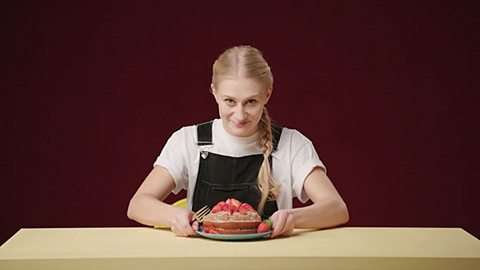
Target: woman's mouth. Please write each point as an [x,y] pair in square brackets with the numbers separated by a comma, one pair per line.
[240,124]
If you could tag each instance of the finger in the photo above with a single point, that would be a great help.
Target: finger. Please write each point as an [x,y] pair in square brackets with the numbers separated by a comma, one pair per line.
[273,219]
[279,225]
[275,226]
[190,231]
[181,230]
[195,225]
[187,229]
[191,216]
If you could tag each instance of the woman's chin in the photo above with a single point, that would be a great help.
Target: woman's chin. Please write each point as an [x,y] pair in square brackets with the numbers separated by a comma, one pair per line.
[244,131]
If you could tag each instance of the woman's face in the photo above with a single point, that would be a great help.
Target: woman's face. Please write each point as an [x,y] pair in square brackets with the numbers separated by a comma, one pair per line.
[240,104]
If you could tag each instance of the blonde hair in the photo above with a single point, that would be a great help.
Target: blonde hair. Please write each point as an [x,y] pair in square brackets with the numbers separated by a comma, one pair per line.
[248,62]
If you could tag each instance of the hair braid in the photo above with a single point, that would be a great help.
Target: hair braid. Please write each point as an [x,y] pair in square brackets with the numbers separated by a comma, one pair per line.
[267,186]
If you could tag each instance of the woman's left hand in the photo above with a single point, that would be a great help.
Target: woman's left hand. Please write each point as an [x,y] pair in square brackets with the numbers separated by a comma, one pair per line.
[283,223]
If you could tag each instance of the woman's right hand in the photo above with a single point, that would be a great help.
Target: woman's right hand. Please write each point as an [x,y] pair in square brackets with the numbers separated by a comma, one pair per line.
[181,223]
[146,206]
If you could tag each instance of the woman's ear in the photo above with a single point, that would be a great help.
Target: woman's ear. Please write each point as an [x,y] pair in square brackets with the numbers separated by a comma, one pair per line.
[213,91]
[269,94]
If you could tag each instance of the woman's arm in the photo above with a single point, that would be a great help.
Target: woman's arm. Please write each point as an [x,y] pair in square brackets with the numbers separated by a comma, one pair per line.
[146,205]
[328,208]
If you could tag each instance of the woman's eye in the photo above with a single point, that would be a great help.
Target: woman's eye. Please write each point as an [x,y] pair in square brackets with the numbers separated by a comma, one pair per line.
[230,101]
[252,102]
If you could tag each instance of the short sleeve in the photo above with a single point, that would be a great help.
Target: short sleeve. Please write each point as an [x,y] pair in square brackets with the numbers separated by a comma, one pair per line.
[304,160]
[174,158]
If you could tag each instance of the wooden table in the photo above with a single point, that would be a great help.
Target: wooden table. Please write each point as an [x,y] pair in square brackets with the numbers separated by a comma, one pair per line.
[145,248]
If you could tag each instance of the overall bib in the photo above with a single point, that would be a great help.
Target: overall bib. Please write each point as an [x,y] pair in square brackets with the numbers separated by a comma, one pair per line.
[221,177]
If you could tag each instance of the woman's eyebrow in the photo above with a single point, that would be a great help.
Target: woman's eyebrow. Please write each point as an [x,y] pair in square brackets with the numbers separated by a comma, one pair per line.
[247,98]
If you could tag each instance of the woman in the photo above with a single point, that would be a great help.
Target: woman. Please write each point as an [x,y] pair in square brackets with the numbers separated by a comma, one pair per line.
[241,155]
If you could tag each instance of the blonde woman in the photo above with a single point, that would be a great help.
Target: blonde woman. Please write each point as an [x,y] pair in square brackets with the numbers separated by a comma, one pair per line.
[242,155]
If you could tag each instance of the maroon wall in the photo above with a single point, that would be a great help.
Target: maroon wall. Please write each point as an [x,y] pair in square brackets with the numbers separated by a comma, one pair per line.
[387,90]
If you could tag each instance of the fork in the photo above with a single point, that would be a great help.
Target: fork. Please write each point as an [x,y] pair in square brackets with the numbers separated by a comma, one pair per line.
[201,213]
[198,216]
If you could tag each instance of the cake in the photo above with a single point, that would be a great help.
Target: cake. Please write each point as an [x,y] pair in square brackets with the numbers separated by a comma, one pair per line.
[232,217]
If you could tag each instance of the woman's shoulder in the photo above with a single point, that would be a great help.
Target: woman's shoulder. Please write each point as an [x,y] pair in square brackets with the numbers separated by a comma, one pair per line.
[293,136]
[188,133]
[185,131]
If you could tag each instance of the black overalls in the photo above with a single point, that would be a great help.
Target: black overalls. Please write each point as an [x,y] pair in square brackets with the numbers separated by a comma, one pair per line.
[221,177]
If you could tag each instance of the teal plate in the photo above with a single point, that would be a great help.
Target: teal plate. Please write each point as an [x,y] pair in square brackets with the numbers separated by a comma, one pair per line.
[233,237]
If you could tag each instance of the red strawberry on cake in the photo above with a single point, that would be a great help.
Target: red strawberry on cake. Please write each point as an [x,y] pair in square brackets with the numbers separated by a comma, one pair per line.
[232,217]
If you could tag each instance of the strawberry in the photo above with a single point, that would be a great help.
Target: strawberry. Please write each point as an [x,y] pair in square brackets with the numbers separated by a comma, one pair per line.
[263,227]
[225,207]
[234,208]
[248,207]
[235,202]
[231,209]
[269,222]
[242,210]
[220,203]
[216,208]
[228,209]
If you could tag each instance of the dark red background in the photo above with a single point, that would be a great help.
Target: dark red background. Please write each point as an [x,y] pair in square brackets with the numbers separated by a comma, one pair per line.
[388,91]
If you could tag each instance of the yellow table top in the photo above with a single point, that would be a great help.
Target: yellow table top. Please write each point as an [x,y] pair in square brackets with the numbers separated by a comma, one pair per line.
[146,248]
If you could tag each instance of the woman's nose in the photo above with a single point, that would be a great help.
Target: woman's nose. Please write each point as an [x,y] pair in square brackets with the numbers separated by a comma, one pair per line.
[240,113]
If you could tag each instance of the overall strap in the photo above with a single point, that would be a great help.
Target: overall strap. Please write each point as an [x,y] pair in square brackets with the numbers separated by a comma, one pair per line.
[204,134]
[276,133]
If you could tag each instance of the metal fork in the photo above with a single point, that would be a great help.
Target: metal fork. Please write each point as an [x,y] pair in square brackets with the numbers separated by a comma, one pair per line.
[198,216]
[201,213]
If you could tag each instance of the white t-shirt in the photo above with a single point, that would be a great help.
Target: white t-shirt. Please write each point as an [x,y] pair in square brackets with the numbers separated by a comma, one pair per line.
[294,159]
